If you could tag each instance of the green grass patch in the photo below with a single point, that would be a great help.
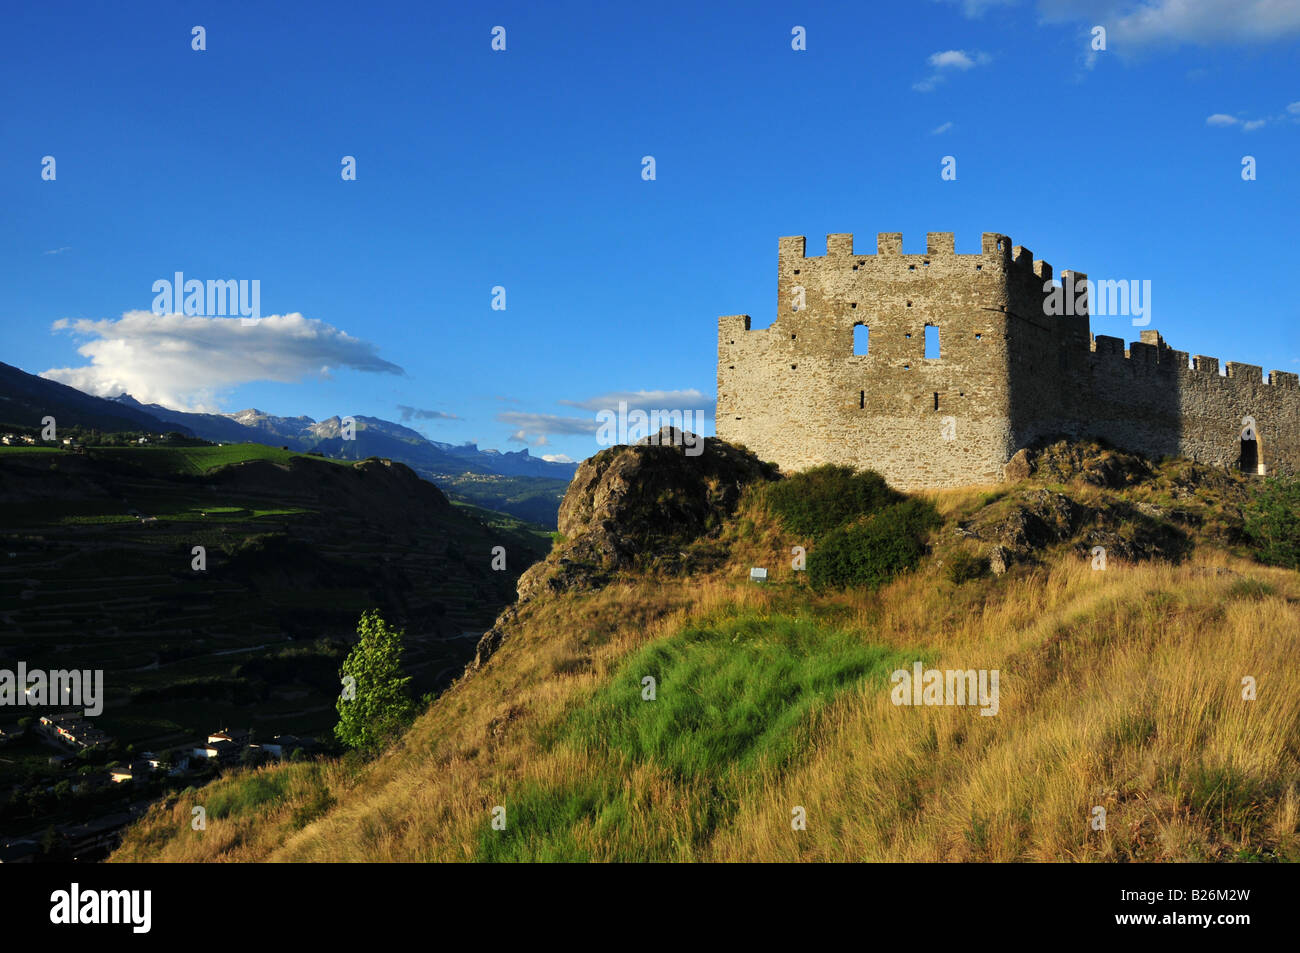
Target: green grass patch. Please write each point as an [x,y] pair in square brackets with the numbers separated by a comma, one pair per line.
[739,691]
[568,824]
[247,793]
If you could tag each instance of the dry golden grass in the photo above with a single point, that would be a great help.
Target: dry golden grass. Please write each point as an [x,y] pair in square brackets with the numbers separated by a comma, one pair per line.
[1120,689]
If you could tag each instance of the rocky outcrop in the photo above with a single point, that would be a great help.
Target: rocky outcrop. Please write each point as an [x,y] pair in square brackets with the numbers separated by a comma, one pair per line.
[635,507]
[1091,463]
[630,506]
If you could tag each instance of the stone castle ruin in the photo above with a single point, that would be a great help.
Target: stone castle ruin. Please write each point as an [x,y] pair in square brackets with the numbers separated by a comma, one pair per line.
[935,369]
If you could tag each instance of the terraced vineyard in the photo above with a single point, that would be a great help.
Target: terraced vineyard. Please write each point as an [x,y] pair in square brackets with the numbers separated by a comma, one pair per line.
[98,571]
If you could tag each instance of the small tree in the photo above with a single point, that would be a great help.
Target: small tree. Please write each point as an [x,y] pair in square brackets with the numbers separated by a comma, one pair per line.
[1272,521]
[376,703]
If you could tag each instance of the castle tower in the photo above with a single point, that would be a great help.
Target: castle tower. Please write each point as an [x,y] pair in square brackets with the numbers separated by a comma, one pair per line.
[934,369]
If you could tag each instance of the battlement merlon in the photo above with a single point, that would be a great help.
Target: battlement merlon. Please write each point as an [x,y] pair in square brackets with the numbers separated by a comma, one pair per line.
[940,243]
[840,245]
[1246,372]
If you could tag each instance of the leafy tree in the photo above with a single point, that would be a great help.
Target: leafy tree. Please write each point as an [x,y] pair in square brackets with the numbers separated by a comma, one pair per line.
[382,705]
[1272,523]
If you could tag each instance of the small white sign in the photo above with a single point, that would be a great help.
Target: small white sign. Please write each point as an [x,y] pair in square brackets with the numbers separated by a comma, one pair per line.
[758,575]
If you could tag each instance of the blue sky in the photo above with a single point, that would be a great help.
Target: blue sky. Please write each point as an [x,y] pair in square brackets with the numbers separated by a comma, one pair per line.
[522,169]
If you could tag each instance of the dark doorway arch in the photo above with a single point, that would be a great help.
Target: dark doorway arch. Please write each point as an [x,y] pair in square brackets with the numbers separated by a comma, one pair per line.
[1249,461]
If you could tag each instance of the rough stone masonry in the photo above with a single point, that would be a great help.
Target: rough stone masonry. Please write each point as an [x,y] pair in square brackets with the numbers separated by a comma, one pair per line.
[842,375]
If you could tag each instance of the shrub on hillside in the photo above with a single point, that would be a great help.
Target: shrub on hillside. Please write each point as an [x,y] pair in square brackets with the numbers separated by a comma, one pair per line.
[964,566]
[872,550]
[814,502]
[1272,523]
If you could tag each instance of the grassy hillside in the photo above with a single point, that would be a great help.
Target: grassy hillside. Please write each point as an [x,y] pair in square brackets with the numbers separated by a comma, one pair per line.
[1120,688]
[195,460]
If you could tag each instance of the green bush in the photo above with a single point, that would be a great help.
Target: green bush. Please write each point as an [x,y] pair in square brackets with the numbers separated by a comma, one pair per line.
[814,502]
[1272,523]
[871,551]
[964,566]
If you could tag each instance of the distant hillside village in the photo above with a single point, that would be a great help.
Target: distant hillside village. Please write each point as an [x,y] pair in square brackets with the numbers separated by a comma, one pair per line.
[75,438]
[74,739]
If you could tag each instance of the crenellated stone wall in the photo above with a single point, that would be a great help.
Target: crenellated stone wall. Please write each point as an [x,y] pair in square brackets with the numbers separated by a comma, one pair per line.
[1007,372]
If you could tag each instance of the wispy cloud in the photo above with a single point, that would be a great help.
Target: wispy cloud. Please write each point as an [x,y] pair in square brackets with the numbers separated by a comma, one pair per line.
[690,399]
[945,62]
[1225,120]
[1132,24]
[940,130]
[977,8]
[536,428]
[417,413]
[185,361]
[57,251]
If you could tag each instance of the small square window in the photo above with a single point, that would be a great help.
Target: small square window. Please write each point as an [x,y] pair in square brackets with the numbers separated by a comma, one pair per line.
[793,366]
[979,337]
[853,304]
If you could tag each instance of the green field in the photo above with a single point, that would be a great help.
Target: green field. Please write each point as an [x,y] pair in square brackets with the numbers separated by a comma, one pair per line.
[25,449]
[198,460]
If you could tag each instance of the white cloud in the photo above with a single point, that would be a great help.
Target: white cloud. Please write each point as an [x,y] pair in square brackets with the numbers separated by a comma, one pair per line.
[185,361]
[1137,23]
[946,61]
[58,251]
[557,458]
[1292,114]
[958,59]
[940,130]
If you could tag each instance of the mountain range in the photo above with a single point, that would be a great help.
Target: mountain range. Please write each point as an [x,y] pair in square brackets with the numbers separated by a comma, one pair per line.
[513,482]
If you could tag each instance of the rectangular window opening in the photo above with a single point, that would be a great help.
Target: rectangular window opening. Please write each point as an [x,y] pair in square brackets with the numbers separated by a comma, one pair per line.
[861,338]
[931,342]
[936,400]
[862,400]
